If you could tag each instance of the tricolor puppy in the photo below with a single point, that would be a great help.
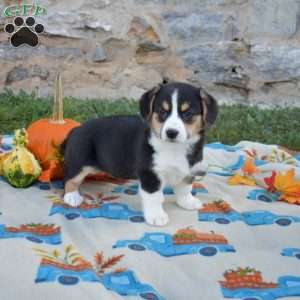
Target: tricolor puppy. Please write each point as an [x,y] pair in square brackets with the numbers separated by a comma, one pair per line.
[161,147]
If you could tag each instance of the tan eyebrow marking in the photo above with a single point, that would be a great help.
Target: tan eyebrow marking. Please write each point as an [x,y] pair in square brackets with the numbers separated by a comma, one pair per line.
[166,106]
[184,107]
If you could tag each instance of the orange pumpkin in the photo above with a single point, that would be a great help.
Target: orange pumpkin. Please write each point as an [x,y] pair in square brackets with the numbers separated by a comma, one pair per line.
[46,135]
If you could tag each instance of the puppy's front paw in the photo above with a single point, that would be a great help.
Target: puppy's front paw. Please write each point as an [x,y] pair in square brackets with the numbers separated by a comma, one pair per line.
[73,199]
[189,202]
[156,217]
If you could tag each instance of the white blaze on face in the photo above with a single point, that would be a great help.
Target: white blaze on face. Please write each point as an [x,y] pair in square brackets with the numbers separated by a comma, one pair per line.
[174,122]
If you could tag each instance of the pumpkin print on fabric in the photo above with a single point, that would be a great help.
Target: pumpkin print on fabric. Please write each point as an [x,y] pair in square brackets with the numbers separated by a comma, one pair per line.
[33,232]
[248,283]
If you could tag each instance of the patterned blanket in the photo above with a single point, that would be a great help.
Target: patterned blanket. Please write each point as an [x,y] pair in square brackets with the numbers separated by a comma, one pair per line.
[243,244]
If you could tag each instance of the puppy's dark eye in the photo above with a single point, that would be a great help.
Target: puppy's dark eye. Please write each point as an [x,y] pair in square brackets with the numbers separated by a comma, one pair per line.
[162,113]
[187,116]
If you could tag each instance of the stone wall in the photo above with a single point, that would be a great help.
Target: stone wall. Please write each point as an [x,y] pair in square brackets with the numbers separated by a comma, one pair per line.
[242,51]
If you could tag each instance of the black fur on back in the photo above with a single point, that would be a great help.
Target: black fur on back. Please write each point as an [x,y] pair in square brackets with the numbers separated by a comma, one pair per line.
[117,145]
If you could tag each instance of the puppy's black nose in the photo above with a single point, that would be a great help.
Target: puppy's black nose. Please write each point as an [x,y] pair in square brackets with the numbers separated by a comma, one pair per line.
[172,133]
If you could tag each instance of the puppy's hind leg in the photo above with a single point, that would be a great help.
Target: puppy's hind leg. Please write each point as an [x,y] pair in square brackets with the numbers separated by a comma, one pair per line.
[72,196]
[184,197]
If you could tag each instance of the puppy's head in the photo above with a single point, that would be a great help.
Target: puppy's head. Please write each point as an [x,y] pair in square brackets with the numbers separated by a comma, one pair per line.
[177,112]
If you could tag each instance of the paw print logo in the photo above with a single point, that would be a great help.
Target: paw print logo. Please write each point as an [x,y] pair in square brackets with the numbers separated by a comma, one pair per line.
[24,33]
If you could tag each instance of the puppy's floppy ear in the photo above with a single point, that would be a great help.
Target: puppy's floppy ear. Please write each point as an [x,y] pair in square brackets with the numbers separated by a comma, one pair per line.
[146,102]
[210,108]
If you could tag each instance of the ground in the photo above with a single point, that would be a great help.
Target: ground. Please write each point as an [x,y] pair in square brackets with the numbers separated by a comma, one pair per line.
[235,123]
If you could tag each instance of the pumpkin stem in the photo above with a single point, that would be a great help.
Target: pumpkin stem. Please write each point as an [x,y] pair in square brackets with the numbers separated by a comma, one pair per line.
[58,105]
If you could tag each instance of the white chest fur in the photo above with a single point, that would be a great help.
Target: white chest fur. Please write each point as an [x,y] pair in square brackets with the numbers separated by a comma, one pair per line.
[170,160]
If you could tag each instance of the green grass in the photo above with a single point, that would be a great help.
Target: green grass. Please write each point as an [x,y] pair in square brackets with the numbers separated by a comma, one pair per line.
[279,126]
[19,110]
[235,123]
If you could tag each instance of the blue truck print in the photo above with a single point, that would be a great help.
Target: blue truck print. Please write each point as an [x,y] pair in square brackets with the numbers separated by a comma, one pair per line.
[133,189]
[52,239]
[56,184]
[50,273]
[164,245]
[123,283]
[231,169]
[252,218]
[115,210]
[288,286]
[263,195]
[127,284]
[291,252]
